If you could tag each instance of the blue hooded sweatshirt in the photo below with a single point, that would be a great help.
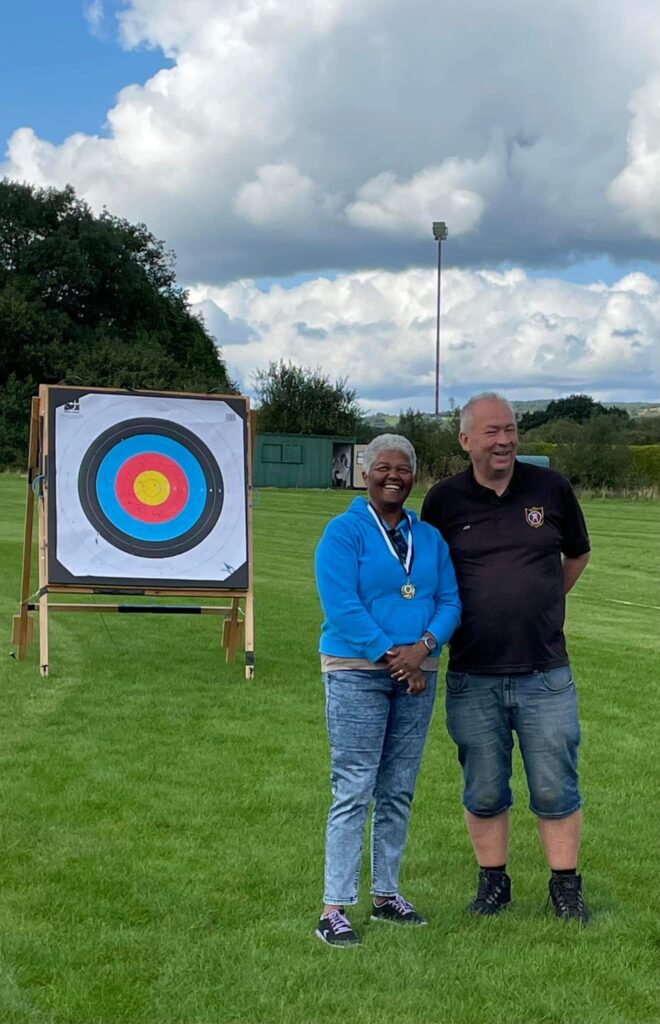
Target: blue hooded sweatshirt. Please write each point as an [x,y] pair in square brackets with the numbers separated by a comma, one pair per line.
[359,583]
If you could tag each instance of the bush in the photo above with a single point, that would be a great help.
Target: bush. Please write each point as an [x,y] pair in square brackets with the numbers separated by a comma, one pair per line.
[646,460]
[539,448]
[593,454]
[597,466]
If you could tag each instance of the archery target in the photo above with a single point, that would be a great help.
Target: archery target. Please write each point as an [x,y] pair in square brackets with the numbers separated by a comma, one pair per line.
[150,488]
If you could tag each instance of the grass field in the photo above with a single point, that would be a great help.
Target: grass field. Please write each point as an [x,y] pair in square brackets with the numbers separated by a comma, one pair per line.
[162,820]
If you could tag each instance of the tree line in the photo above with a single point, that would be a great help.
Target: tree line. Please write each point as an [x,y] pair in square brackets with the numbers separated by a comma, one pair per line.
[598,447]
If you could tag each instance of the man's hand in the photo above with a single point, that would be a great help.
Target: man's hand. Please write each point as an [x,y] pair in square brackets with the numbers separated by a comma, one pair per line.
[403,665]
[416,683]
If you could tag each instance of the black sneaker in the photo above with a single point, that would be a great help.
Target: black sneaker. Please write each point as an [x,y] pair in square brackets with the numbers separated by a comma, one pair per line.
[336,930]
[398,911]
[493,893]
[566,896]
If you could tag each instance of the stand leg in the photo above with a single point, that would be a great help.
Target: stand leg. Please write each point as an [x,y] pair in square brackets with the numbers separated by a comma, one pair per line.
[249,635]
[233,631]
[43,634]
[43,553]
[43,595]
[22,622]
[249,597]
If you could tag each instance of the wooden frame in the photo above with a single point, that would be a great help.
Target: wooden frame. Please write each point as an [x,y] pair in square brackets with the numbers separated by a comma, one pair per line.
[23,625]
[238,619]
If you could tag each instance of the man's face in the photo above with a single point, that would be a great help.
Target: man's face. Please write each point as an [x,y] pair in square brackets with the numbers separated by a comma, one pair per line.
[492,439]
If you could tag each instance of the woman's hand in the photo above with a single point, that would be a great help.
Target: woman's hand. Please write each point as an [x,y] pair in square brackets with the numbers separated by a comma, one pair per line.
[403,665]
[405,659]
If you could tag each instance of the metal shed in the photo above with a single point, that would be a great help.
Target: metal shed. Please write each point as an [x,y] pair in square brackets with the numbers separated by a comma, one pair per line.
[302,460]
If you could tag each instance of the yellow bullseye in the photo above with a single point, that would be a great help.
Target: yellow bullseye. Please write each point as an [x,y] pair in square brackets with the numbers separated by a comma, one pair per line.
[151,487]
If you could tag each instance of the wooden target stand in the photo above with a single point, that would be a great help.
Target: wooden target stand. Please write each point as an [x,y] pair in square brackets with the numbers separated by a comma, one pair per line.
[238,627]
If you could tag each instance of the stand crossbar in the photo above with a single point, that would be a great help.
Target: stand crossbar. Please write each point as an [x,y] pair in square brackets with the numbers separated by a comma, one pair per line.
[149,609]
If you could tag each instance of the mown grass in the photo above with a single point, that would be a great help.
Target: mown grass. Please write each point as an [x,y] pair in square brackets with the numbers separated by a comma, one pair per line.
[162,820]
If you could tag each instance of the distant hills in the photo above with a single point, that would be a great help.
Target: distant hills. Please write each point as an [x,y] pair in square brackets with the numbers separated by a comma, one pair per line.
[382,421]
[632,408]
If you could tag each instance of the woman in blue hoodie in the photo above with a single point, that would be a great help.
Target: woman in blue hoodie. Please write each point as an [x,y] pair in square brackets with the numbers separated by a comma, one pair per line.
[390,601]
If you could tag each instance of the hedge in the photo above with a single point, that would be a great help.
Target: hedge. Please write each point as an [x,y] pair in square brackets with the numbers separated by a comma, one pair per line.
[646,460]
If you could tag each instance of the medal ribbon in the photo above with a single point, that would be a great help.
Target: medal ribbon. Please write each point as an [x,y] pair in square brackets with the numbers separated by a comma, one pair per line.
[410,553]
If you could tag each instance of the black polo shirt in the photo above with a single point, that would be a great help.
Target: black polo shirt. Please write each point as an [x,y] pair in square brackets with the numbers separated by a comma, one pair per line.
[507,555]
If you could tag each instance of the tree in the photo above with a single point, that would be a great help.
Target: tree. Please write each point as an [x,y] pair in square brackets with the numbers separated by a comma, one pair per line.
[88,300]
[297,400]
[578,408]
[644,430]
[556,432]
[435,441]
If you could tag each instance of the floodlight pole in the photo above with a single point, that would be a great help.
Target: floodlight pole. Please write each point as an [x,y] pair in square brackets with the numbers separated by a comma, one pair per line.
[440,234]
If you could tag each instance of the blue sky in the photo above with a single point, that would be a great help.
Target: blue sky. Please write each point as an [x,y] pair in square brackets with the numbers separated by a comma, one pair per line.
[56,76]
[300,152]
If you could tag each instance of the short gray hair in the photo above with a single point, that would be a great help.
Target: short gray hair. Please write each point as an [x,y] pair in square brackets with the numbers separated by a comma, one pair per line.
[393,442]
[467,412]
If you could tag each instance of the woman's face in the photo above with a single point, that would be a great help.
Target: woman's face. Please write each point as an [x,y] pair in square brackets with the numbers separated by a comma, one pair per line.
[390,479]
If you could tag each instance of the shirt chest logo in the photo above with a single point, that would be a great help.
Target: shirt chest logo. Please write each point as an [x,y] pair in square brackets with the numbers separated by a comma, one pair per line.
[534,517]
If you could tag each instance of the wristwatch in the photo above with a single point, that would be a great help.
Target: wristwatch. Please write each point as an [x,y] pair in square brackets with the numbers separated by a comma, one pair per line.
[429,642]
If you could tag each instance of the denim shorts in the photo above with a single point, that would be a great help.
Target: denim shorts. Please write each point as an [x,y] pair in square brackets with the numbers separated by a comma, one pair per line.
[541,708]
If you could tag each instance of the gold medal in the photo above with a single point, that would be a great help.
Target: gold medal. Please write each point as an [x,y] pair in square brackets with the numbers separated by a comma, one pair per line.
[408,591]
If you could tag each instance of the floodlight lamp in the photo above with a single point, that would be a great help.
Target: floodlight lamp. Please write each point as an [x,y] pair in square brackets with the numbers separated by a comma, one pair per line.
[439,230]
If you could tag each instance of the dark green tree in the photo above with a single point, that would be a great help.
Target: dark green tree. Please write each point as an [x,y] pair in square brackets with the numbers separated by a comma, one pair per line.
[578,408]
[297,400]
[91,300]
[435,441]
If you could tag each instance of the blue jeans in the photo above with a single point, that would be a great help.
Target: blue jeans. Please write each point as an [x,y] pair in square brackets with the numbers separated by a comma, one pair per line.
[377,733]
[483,712]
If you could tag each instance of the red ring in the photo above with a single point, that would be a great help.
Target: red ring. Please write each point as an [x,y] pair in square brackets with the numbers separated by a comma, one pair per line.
[128,499]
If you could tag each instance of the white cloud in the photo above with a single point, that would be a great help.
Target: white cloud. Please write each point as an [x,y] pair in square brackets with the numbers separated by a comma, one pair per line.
[637,188]
[94,16]
[282,196]
[385,204]
[294,137]
[525,336]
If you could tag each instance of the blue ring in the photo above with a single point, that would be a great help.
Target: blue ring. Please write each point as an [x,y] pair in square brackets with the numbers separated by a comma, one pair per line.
[128,524]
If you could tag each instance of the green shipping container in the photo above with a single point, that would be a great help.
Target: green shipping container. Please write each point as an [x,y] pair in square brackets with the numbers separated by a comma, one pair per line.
[302,460]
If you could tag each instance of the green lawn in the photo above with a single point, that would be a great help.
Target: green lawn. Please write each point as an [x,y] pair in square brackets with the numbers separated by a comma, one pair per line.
[162,820]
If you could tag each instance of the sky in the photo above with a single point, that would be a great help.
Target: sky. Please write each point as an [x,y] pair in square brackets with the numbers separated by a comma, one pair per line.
[295,155]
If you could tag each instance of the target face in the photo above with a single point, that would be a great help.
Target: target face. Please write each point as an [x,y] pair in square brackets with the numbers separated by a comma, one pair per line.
[151,488]
[148,488]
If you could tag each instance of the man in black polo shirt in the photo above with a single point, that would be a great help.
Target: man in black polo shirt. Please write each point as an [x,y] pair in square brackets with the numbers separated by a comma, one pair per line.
[519,542]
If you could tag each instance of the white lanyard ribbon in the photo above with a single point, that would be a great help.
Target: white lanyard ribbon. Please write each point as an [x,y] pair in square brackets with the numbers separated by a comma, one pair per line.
[407,565]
